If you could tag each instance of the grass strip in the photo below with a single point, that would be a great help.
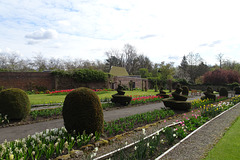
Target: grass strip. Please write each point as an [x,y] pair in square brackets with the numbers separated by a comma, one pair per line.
[228,146]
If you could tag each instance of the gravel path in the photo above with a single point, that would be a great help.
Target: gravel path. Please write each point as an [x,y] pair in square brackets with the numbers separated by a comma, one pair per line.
[12,133]
[197,146]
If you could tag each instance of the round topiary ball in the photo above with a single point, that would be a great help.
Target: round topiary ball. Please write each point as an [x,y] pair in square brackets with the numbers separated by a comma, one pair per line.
[223,92]
[82,111]
[14,103]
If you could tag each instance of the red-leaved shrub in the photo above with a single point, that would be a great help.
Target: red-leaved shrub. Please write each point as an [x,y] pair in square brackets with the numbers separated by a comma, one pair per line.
[220,76]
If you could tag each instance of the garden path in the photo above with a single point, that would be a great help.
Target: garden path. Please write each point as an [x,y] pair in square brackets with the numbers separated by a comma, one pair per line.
[12,133]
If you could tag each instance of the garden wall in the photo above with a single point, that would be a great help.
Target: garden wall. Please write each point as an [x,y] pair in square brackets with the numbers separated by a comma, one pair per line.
[44,80]
[27,80]
[68,83]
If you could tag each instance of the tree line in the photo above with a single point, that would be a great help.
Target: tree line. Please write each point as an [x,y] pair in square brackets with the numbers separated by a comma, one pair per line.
[191,69]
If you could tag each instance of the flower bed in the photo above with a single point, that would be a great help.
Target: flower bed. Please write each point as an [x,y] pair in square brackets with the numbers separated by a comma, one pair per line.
[65,92]
[151,147]
[58,141]
[146,99]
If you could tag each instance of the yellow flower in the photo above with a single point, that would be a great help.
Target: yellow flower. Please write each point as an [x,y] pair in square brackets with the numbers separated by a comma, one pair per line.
[11,156]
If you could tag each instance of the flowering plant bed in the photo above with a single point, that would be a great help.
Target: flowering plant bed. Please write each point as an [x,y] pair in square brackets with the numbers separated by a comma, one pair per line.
[65,92]
[34,145]
[152,146]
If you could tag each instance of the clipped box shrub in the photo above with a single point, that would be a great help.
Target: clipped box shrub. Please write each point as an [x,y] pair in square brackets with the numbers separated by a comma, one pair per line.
[237,90]
[14,103]
[121,99]
[82,111]
[223,92]
[178,97]
[177,105]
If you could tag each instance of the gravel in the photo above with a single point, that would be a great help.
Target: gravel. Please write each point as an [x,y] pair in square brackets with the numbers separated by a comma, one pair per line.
[200,143]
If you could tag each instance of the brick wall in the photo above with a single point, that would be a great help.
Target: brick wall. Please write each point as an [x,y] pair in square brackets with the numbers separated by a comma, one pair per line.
[27,80]
[31,80]
[68,83]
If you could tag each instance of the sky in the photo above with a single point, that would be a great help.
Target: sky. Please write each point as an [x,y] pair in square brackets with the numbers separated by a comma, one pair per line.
[163,30]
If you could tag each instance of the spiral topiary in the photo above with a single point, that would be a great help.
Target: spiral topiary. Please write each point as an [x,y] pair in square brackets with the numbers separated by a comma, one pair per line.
[185,90]
[209,89]
[82,111]
[14,103]
[223,92]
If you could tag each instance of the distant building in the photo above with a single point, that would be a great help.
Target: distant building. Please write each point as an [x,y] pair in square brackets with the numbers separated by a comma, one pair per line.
[118,71]
[121,76]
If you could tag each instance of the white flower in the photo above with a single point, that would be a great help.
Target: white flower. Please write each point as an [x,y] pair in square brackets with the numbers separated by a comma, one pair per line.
[43,146]
[126,143]
[56,144]
[144,131]
[33,153]
[93,155]
[174,135]
[135,148]
[66,144]
[96,149]
[147,144]
[153,137]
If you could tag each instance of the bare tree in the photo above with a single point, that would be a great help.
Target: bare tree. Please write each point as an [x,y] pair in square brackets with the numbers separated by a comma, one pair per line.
[130,54]
[3,61]
[54,64]
[220,59]
[114,58]
[39,62]
[193,61]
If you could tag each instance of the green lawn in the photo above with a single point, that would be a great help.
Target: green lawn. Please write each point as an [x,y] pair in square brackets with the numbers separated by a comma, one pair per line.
[46,98]
[229,146]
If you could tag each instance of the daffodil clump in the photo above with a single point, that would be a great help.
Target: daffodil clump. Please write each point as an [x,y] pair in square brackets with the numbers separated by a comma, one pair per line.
[197,103]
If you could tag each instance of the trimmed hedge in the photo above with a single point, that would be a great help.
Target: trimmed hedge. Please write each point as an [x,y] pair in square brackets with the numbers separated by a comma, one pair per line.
[83,75]
[14,103]
[82,111]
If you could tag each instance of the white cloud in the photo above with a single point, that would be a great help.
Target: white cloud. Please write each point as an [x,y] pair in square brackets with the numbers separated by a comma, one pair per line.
[42,34]
[86,29]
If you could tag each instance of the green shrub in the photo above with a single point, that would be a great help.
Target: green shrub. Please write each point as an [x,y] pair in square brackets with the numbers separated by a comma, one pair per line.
[14,103]
[82,75]
[185,90]
[233,85]
[121,99]
[82,111]
[223,92]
